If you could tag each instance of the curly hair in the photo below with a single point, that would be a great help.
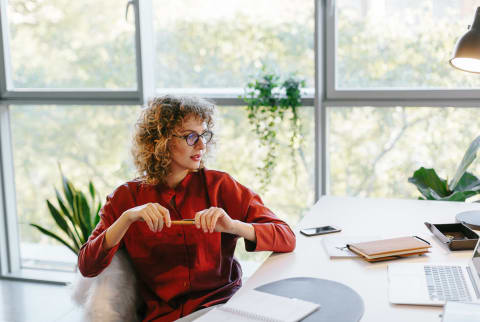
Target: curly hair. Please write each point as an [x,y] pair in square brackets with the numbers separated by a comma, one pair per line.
[155,127]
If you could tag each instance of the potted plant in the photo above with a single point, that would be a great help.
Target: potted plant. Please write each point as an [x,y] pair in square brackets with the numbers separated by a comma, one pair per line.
[75,215]
[268,101]
[462,186]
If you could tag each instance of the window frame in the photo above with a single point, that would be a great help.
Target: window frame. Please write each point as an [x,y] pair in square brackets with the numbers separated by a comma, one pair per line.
[380,97]
[325,94]
[330,97]
[10,267]
[10,261]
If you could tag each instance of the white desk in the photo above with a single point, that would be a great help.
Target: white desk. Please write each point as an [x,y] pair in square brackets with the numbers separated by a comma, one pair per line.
[366,217]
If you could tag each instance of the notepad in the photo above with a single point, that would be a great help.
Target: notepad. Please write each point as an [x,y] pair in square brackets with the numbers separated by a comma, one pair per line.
[390,248]
[254,306]
[336,245]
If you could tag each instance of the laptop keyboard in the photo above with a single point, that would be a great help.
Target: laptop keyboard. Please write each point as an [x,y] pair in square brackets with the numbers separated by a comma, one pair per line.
[446,283]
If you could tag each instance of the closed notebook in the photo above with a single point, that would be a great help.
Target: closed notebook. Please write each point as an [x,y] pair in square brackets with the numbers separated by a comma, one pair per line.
[257,306]
[392,247]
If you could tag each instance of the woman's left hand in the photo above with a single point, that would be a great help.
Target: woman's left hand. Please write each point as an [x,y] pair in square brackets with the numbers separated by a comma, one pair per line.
[214,219]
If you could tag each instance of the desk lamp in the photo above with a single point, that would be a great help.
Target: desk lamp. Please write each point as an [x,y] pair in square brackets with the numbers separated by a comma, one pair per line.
[466,57]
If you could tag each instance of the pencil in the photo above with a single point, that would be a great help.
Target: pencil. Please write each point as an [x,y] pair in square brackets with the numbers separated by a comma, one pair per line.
[184,222]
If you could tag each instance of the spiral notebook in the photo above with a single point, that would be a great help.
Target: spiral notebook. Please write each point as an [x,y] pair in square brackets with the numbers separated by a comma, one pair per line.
[257,306]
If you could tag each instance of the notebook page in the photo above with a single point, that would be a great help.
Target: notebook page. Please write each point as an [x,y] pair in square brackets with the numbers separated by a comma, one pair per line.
[260,306]
[217,315]
[336,245]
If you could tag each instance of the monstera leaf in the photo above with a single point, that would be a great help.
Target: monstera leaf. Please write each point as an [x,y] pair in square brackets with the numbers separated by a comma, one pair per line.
[463,185]
[432,187]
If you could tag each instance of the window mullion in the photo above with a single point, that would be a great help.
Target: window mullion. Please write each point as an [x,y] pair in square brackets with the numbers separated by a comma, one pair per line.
[9,237]
[5,66]
[329,44]
[145,48]
[321,83]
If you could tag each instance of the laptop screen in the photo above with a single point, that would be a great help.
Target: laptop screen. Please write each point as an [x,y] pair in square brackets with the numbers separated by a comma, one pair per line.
[476,258]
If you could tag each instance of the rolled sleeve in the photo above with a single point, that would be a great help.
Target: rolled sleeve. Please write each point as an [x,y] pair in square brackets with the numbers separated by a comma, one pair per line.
[241,203]
[272,233]
[272,237]
[93,258]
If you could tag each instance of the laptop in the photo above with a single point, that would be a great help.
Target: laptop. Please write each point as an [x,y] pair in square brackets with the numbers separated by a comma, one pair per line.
[435,283]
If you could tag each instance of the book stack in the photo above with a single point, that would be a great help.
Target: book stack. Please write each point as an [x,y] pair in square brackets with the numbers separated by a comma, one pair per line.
[385,249]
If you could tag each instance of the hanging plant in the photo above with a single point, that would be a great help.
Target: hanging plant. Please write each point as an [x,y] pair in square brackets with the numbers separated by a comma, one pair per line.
[269,100]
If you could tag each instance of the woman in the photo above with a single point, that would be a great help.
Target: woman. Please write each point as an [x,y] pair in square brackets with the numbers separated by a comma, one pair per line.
[181,268]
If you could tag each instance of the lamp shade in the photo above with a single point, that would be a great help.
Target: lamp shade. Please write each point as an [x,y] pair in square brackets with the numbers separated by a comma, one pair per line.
[466,55]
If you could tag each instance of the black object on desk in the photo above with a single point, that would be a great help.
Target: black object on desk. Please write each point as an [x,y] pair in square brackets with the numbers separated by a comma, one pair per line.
[338,302]
[457,235]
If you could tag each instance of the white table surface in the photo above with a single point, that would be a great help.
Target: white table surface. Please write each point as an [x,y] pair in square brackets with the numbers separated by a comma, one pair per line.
[386,218]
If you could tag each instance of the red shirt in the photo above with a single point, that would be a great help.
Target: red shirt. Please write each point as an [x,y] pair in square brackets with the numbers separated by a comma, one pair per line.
[182,269]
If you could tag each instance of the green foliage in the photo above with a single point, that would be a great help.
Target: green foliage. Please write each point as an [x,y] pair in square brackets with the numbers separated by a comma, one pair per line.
[75,216]
[222,52]
[289,202]
[90,42]
[463,185]
[368,46]
[268,100]
[370,150]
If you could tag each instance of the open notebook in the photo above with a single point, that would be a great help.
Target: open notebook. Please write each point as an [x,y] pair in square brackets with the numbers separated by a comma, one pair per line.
[259,306]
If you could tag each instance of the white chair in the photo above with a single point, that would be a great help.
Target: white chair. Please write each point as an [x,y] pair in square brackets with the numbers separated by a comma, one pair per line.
[112,295]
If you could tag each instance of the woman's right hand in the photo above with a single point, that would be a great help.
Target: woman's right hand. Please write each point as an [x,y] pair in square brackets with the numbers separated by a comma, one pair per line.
[152,213]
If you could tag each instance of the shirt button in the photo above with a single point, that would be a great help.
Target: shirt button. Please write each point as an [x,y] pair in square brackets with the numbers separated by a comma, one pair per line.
[185,284]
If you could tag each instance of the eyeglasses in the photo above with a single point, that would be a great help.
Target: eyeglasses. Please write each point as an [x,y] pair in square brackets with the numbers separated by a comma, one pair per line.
[193,137]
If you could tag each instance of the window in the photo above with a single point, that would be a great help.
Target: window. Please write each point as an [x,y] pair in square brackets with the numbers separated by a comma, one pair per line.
[92,143]
[381,68]
[399,44]
[88,142]
[65,44]
[392,101]
[290,195]
[209,44]
[62,57]
[373,151]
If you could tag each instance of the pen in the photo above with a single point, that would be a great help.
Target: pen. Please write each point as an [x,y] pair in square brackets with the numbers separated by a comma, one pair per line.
[184,222]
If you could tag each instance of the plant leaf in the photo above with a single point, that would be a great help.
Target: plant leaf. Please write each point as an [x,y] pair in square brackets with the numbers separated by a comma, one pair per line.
[62,204]
[459,196]
[468,158]
[58,218]
[429,184]
[61,222]
[96,220]
[68,190]
[80,214]
[49,233]
[85,211]
[468,182]
[80,217]
[91,188]
[94,215]
[66,212]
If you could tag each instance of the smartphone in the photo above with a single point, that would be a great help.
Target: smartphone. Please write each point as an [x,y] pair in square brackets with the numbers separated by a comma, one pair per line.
[319,230]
